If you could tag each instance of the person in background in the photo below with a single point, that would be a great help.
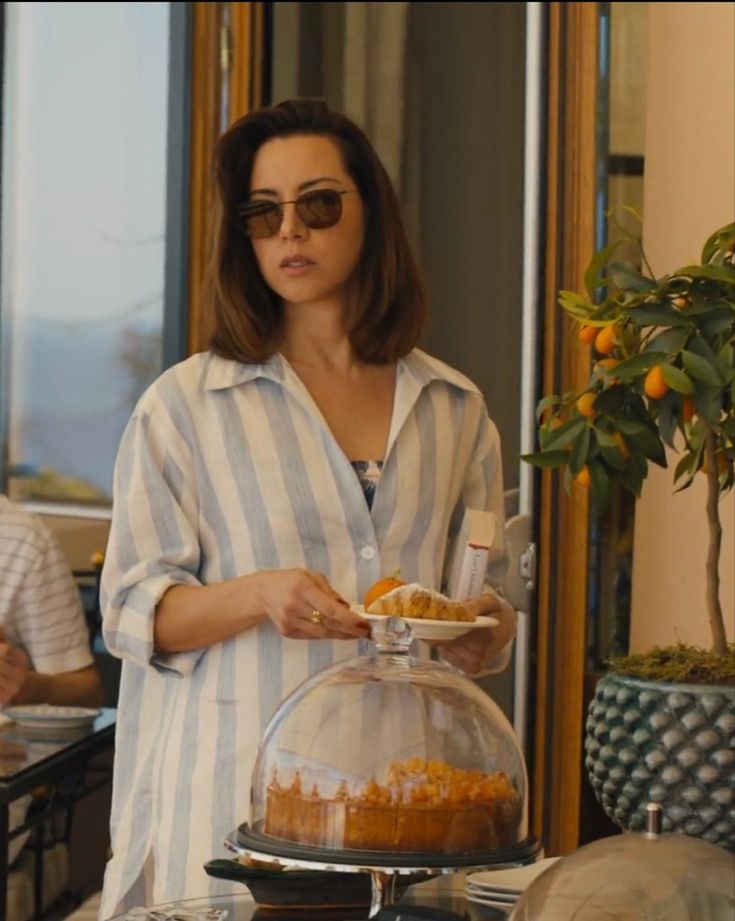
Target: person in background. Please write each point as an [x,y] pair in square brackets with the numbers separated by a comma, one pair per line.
[44,640]
[263,484]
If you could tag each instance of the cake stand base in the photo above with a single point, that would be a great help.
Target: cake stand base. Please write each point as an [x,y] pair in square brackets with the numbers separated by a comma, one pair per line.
[384,869]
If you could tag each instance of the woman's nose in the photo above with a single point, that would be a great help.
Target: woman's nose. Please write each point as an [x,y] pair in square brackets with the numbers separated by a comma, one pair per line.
[291,225]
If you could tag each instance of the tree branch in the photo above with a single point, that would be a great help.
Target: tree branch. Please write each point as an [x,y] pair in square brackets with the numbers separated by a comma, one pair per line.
[714,608]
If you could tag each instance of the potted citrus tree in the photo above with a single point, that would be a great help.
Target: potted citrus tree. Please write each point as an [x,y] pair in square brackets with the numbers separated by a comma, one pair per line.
[661,724]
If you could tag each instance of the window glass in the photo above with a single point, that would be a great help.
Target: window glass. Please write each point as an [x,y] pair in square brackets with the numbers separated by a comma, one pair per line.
[84,129]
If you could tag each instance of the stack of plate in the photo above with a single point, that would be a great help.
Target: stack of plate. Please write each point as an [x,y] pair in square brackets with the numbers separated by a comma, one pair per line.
[501,889]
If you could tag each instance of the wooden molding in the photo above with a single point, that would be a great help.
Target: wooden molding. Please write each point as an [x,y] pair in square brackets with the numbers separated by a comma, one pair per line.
[227,77]
[246,67]
[205,128]
[562,608]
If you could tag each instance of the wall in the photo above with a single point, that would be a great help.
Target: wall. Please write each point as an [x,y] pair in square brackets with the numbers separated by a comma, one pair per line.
[689,190]
[79,537]
[467,64]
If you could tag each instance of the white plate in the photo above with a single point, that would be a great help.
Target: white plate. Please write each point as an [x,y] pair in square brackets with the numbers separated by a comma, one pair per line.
[423,629]
[505,907]
[496,898]
[47,716]
[511,881]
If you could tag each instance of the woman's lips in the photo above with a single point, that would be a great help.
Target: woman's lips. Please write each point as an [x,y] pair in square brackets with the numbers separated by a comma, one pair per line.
[294,266]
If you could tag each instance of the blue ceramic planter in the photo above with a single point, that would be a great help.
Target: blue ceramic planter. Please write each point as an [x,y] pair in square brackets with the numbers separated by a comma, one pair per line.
[672,744]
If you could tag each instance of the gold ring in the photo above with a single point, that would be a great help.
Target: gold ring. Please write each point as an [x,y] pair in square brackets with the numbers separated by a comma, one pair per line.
[317,617]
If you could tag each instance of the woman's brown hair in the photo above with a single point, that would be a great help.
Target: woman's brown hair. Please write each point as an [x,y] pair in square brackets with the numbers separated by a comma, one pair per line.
[389,312]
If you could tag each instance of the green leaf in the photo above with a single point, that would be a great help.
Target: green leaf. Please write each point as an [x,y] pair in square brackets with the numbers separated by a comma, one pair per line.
[708,403]
[604,439]
[611,400]
[639,364]
[656,315]
[687,464]
[725,363]
[650,444]
[626,277]
[629,426]
[668,416]
[687,484]
[718,242]
[580,451]
[566,433]
[699,367]
[575,305]
[669,341]
[677,379]
[704,305]
[613,457]
[716,321]
[712,272]
[593,275]
[545,403]
[632,480]
[546,458]
[635,473]
[700,346]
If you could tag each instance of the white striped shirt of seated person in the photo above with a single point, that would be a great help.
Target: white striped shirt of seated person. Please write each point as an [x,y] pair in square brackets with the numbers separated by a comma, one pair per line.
[44,639]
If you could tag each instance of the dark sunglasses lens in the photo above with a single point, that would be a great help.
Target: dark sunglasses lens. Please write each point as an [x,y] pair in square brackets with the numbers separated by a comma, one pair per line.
[320,209]
[261,219]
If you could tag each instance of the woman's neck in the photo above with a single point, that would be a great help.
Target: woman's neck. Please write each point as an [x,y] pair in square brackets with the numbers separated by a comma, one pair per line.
[316,339]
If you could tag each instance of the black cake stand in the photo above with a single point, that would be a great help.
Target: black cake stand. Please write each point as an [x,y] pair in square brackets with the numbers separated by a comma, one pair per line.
[384,867]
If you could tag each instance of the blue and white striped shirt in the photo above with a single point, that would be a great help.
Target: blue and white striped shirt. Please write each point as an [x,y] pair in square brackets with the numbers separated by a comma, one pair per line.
[225,469]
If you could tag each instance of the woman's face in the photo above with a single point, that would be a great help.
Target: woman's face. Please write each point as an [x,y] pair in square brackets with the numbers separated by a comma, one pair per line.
[302,264]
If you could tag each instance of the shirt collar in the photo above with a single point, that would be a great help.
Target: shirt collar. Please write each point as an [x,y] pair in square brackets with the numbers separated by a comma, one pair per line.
[222,373]
[425,369]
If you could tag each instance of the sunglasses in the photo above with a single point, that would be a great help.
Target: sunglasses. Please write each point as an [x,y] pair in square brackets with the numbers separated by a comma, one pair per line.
[317,210]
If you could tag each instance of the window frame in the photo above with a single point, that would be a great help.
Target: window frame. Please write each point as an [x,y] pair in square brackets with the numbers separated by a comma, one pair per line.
[175,315]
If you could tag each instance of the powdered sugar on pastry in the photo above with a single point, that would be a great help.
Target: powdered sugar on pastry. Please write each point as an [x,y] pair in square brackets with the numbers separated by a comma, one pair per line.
[414,600]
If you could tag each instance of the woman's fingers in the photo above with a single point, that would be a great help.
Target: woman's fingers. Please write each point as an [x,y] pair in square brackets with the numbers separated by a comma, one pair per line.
[303,605]
[486,605]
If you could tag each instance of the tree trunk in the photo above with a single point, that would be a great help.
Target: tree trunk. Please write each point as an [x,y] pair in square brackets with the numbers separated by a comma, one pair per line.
[714,608]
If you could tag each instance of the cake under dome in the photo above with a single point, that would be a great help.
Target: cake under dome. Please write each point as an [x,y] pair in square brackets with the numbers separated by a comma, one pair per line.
[390,753]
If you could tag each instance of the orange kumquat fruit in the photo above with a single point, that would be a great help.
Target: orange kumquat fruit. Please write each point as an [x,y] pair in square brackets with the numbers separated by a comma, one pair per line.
[587,334]
[585,405]
[654,384]
[606,340]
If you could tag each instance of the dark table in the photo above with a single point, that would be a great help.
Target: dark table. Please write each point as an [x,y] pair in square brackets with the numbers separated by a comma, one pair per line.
[243,908]
[59,761]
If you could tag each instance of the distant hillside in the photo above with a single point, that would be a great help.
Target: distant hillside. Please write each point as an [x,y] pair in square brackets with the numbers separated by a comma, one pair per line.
[78,392]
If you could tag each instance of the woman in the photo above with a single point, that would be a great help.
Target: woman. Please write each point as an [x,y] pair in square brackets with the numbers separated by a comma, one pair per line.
[240,526]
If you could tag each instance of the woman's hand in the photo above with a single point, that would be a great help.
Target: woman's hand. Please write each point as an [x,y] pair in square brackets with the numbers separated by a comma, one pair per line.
[472,651]
[299,602]
[303,605]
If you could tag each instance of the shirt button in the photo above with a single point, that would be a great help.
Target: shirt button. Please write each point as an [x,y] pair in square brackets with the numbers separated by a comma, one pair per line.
[367,552]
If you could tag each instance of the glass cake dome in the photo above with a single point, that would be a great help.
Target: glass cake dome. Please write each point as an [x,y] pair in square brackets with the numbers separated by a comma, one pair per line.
[388,753]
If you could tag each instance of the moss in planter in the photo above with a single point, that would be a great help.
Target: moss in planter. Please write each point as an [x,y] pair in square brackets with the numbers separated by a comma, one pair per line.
[681,663]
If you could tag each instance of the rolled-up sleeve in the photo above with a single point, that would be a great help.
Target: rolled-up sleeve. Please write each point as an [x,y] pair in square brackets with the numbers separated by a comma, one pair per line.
[153,541]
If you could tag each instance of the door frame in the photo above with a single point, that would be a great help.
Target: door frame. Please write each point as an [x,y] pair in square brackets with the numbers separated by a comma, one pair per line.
[571,185]
[227,62]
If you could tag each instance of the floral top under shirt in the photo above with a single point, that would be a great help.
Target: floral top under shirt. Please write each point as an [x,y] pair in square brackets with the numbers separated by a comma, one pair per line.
[368,473]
